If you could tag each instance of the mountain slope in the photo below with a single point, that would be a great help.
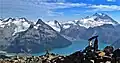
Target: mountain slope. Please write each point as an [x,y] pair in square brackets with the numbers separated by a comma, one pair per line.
[107,33]
[116,44]
[36,39]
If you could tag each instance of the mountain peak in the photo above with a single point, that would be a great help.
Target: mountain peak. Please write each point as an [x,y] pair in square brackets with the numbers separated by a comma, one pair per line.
[103,17]
[99,14]
[23,19]
[0,19]
[39,21]
[14,19]
[31,26]
[97,19]
[55,21]
[35,37]
[8,19]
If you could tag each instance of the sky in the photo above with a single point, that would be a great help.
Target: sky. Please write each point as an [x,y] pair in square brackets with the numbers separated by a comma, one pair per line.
[61,10]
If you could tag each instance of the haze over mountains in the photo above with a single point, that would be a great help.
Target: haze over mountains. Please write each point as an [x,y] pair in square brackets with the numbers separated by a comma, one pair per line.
[22,34]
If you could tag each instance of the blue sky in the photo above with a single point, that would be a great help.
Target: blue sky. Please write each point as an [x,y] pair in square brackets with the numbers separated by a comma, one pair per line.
[60,10]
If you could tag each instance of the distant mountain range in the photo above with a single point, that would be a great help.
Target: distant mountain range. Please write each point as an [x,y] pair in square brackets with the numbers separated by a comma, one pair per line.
[21,34]
[95,20]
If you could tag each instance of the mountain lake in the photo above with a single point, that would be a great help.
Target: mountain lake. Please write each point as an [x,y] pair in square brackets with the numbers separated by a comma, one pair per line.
[78,45]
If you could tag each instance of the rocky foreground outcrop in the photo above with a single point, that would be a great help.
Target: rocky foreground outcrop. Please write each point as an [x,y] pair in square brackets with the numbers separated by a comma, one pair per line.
[77,57]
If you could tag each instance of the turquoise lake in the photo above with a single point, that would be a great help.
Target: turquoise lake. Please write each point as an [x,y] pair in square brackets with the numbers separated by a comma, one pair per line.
[76,46]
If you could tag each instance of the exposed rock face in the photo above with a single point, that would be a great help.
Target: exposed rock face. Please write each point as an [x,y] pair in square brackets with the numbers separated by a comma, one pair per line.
[37,38]
[116,44]
[75,32]
[107,32]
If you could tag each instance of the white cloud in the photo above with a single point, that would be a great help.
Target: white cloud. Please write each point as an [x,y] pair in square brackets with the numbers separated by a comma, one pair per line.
[35,1]
[50,5]
[111,0]
[43,8]
[105,7]
[54,6]
[51,13]
[60,5]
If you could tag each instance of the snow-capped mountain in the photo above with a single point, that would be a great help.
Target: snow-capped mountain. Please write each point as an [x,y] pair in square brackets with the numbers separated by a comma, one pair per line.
[30,37]
[20,24]
[97,24]
[10,26]
[95,20]
[54,24]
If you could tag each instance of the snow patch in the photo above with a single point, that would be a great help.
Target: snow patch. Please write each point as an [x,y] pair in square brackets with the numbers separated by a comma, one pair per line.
[53,25]
[66,26]
[20,24]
